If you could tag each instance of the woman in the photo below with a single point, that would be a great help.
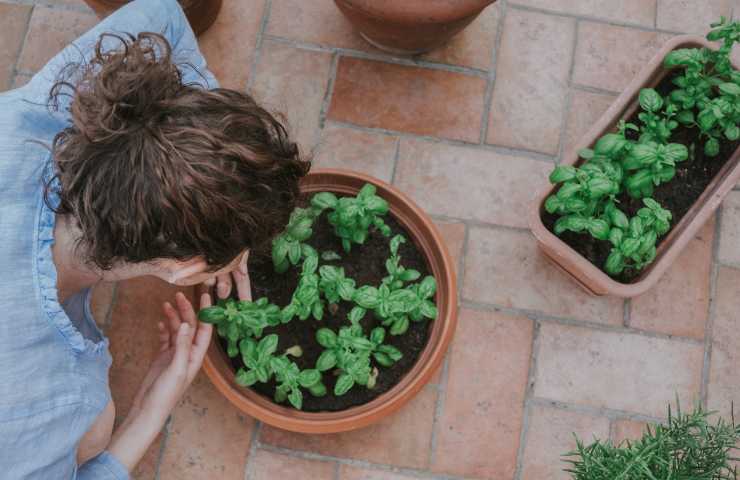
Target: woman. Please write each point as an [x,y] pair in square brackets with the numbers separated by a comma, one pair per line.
[143,167]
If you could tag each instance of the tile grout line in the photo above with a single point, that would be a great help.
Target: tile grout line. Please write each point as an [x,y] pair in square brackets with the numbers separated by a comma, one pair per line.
[253,446]
[709,327]
[337,471]
[627,313]
[491,82]
[543,317]
[14,71]
[165,437]
[306,455]
[378,57]
[589,89]
[111,307]
[396,155]
[528,395]
[591,19]
[50,5]
[603,412]
[328,94]
[569,93]
[258,47]
[438,408]
[503,150]
[655,15]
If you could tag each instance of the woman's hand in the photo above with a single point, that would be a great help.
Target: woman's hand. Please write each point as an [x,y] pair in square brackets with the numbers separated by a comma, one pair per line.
[183,345]
[238,277]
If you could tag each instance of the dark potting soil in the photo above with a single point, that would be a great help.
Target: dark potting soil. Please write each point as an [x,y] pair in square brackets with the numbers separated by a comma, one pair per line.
[366,265]
[692,178]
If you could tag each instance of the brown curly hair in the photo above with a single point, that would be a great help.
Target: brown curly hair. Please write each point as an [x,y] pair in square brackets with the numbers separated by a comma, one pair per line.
[153,168]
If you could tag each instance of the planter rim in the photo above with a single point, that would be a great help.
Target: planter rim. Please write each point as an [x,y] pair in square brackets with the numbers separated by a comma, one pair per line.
[426,236]
[585,273]
[418,11]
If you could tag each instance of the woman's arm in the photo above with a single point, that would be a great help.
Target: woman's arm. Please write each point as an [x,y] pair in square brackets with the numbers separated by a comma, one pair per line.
[183,345]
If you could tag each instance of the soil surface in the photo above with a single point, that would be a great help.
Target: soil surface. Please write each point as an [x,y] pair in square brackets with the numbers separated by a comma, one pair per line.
[678,195]
[366,265]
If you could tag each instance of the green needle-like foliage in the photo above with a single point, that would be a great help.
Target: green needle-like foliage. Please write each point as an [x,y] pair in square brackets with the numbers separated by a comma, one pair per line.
[687,447]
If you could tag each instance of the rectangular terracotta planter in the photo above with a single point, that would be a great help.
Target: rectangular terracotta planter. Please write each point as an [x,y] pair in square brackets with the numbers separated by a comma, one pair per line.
[590,276]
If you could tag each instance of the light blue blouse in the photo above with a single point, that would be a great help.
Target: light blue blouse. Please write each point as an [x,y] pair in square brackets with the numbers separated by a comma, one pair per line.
[53,359]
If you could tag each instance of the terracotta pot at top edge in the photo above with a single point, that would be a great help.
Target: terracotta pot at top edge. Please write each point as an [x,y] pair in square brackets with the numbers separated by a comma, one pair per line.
[424,234]
[410,27]
[590,276]
[201,13]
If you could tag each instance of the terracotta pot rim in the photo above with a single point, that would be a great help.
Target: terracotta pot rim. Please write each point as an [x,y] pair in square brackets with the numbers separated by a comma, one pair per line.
[426,236]
[413,12]
[588,275]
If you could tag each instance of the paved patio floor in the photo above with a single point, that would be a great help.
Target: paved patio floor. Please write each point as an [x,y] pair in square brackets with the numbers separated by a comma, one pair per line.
[467,131]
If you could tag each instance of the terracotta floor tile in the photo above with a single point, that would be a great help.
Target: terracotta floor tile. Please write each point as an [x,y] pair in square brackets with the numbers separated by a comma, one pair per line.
[49,31]
[473,47]
[410,99]
[585,109]
[679,303]
[237,24]
[469,183]
[531,81]
[102,302]
[627,430]
[402,440]
[478,431]
[684,16]
[724,376]
[729,240]
[348,472]
[371,153]
[453,233]
[293,82]
[13,21]
[628,372]
[607,56]
[319,21]
[506,268]
[133,335]
[208,437]
[640,12]
[146,469]
[20,80]
[276,466]
[550,437]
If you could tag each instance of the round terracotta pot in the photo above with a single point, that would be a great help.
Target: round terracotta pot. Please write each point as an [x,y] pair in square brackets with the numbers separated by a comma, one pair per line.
[425,236]
[410,27]
[201,13]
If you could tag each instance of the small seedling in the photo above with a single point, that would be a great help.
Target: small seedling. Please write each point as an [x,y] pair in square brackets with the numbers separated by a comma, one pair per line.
[352,217]
[287,248]
[306,299]
[240,319]
[398,274]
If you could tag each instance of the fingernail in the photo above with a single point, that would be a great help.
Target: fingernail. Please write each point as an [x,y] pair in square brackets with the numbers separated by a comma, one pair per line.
[223,291]
[184,328]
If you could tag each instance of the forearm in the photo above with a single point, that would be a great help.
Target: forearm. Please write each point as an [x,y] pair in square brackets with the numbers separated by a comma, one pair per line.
[132,439]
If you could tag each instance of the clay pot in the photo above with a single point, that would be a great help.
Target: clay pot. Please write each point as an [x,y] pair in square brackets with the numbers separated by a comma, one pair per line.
[201,13]
[424,234]
[409,27]
[588,275]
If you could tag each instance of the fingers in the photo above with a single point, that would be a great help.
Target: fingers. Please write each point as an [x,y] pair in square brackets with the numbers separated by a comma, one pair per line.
[205,300]
[173,318]
[164,337]
[243,285]
[185,309]
[183,345]
[200,343]
[223,285]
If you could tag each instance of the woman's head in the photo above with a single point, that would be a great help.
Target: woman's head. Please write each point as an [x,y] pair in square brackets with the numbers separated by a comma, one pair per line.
[152,169]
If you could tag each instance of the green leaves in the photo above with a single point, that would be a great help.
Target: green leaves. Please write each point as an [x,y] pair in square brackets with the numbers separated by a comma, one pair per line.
[352,217]
[650,100]
[334,285]
[212,315]
[686,446]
